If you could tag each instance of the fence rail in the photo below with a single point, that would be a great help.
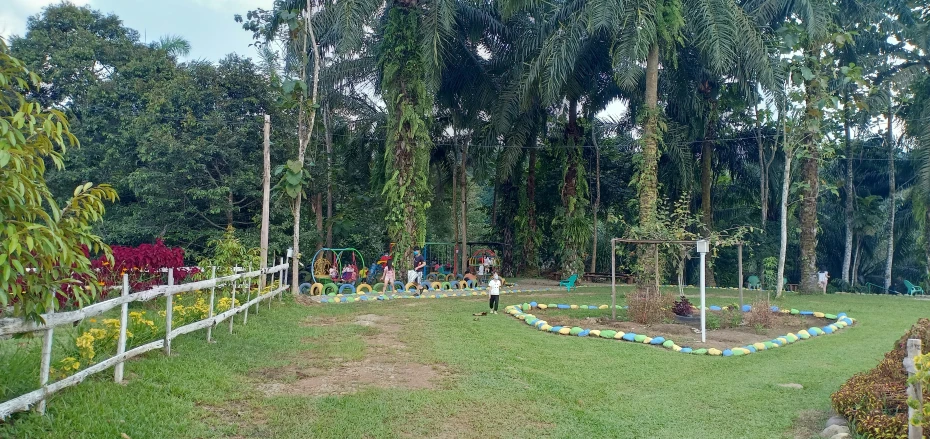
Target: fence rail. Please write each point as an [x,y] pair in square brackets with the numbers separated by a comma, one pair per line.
[10,326]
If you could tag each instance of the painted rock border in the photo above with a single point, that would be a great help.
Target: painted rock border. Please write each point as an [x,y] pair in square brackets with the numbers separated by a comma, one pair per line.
[522,312]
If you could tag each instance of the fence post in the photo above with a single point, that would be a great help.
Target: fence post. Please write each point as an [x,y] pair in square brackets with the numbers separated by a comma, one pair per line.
[212,295]
[248,297]
[45,366]
[169,311]
[123,324]
[281,283]
[914,390]
[258,280]
[232,304]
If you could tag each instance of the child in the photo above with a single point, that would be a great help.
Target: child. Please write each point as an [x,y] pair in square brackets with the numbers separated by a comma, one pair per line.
[494,293]
[389,277]
[334,273]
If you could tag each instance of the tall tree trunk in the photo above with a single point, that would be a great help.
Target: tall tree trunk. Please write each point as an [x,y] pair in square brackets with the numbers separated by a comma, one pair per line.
[785,192]
[455,204]
[494,199]
[305,131]
[850,197]
[229,209]
[707,156]
[327,125]
[463,185]
[597,197]
[648,173]
[408,143]
[811,175]
[573,197]
[891,195]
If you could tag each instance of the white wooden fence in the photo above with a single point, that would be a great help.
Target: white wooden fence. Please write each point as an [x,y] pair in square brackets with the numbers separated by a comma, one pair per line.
[10,326]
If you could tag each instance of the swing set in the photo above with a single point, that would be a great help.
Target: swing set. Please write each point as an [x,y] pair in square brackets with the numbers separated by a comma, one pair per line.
[326,258]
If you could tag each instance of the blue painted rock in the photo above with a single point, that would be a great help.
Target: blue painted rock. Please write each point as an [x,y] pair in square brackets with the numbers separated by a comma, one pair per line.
[575,331]
[657,340]
[747,308]
[751,348]
[540,323]
[607,333]
[847,321]
[777,342]
[727,353]
[639,338]
[629,336]
[562,306]
[685,350]
[584,333]
[364,297]
[841,315]
[783,340]
[774,308]
[807,313]
[533,304]
[715,308]
[827,330]
[592,307]
[555,329]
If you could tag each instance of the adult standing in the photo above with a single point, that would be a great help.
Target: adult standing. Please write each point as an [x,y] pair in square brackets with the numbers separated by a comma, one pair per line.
[413,276]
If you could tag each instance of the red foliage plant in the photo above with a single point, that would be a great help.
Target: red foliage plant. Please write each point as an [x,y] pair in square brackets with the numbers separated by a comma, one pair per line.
[143,264]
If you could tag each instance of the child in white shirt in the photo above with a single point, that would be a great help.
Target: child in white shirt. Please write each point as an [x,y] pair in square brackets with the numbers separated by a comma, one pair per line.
[494,293]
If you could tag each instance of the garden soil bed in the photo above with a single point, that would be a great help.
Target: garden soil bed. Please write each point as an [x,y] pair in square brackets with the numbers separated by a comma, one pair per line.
[684,335]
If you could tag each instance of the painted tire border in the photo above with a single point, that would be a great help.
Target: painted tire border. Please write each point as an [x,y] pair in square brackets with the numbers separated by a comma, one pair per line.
[406,295]
[520,312]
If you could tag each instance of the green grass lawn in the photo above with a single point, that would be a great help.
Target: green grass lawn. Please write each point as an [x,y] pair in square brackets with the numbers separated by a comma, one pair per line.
[494,377]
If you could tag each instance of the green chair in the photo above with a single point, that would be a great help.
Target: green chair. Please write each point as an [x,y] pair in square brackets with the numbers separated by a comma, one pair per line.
[913,289]
[569,283]
[753,283]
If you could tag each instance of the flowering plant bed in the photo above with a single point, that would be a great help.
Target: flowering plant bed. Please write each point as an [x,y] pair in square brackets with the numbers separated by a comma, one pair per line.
[832,323]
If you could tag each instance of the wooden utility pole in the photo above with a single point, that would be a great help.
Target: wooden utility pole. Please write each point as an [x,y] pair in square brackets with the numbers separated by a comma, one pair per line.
[266,202]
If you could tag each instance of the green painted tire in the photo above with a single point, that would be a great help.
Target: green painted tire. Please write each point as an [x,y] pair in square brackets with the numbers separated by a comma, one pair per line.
[329,287]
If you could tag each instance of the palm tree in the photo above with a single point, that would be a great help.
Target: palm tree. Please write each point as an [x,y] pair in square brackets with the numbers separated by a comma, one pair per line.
[175,45]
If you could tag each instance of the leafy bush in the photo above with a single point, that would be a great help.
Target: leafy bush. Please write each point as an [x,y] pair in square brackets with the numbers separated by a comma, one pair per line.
[876,401]
[922,417]
[683,307]
[143,264]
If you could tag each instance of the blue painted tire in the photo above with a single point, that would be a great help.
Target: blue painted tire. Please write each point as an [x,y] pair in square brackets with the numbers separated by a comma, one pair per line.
[305,288]
[344,287]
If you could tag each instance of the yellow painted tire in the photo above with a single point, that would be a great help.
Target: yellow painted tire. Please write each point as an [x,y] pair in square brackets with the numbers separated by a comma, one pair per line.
[316,289]
[410,286]
[363,287]
[462,285]
[436,285]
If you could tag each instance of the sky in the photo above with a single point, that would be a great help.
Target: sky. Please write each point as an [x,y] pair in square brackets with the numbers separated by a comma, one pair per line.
[207,24]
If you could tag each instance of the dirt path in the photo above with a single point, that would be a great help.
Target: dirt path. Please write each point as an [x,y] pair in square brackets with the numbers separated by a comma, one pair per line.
[387,364]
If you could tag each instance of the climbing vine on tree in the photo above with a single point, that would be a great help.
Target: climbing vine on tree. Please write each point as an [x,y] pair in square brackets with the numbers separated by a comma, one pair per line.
[403,86]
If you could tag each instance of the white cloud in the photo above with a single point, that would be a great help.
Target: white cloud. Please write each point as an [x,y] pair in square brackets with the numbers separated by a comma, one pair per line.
[14,13]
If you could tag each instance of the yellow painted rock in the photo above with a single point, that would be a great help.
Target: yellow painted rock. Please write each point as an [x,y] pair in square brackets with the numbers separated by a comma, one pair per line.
[358,299]
[834,327]
[785,311]
[783,340]
[595,333]
[647,340]
[522,316]
[565,331]
[619,335]
[574,307]
[603,307]
[818,315]
[542,306]
[545,328]
[714,351]
[676,348]
[508,308]
[840,324]
[759,346]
